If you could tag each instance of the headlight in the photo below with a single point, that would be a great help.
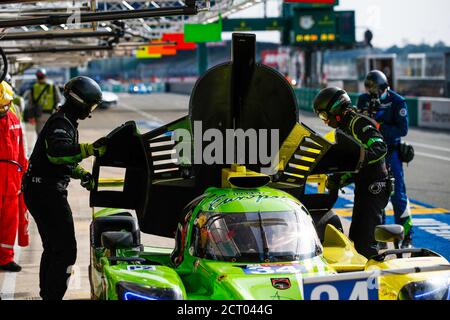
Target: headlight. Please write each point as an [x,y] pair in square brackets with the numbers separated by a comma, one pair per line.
[433,289]
[132,291]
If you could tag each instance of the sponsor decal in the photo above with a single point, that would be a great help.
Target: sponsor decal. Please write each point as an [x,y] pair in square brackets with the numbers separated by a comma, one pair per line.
[60,131]
[223,199]
[274,268]
[403,112]
[281,283]
[375,188]
[15,126]
[141,268]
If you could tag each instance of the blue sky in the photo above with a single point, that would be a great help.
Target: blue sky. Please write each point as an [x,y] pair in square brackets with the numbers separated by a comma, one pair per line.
[392,21]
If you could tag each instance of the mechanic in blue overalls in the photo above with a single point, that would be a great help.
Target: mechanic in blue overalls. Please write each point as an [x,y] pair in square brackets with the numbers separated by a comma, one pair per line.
[390,110]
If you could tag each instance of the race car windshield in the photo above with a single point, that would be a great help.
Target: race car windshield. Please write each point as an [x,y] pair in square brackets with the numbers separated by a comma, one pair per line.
[256,237]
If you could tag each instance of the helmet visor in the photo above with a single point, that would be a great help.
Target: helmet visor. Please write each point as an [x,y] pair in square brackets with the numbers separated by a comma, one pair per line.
[94,106]
[323,115]
[371,87]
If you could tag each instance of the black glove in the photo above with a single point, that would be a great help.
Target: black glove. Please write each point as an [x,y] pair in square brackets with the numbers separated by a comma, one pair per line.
[87,181]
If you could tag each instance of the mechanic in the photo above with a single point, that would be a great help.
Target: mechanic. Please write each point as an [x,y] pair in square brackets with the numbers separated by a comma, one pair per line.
[335,108]
[12,164]
[53,162]
[43,100]
[390,111]
[17,107]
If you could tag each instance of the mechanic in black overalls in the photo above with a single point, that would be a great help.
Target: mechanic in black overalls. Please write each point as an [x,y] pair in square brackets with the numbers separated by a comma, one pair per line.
[372,185]
[53,162]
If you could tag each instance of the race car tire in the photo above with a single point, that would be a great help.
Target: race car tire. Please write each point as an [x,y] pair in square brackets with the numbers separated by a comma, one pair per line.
[118,222]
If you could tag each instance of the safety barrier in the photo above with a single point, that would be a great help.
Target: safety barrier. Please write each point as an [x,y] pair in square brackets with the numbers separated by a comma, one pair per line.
[156,87]
[422,111]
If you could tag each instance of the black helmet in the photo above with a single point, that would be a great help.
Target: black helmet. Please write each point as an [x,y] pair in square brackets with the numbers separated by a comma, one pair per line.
[376,82]
[330,102]
[83,95]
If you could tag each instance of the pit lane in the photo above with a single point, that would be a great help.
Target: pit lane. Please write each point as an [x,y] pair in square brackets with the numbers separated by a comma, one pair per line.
[427,180]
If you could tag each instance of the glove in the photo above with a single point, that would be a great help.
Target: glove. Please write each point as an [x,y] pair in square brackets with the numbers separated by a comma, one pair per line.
[87,181]
[85,176]
[98,148]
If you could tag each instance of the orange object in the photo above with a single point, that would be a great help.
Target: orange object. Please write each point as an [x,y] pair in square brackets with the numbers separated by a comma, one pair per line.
[162,50]
[141,53]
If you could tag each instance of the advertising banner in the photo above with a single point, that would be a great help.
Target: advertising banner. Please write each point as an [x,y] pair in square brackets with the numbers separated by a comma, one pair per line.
[434,113]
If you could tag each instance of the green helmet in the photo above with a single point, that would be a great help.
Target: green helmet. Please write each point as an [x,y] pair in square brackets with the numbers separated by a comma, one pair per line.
[331,102]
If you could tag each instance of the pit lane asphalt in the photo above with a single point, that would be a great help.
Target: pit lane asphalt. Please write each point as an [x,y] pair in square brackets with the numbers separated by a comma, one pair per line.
[427,181]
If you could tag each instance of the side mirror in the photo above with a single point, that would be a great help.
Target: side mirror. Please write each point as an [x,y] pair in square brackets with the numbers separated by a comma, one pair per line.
[113,240]
[389,233]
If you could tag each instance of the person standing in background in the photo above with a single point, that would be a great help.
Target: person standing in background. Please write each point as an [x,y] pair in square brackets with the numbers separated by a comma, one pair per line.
[43,100]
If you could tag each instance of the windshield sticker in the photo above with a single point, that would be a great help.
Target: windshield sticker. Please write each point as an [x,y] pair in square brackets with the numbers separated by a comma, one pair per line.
[274,268]
[141,268]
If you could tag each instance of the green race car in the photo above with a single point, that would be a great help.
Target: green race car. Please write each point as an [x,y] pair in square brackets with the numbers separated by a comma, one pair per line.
[239,233]
[231,244]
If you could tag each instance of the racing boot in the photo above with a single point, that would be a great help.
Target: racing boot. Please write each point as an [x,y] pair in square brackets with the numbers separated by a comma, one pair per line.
[11,267]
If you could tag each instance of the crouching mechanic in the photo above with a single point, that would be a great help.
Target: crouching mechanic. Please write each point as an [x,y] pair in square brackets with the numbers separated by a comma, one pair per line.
[334,107]
[389,109]
[53,162]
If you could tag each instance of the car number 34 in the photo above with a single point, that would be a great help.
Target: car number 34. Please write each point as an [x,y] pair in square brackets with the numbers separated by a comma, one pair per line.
[352,289]
[276,269]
